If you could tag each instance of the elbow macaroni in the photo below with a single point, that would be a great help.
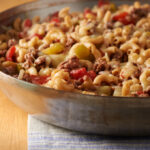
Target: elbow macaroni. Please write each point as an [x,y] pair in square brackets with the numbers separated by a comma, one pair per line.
[103,51]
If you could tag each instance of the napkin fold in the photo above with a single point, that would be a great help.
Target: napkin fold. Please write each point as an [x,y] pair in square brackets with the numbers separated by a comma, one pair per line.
[43,136]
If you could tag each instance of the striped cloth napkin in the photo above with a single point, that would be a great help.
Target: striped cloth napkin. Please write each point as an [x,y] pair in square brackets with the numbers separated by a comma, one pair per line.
[43,136]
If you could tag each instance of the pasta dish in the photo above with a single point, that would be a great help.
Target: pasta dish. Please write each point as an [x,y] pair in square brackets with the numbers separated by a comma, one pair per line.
[104,50]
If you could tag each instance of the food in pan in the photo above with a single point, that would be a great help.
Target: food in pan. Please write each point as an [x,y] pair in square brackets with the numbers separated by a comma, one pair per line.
[104,50]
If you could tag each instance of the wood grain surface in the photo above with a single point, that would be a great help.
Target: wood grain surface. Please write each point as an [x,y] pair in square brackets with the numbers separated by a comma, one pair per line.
[5,4]
[13,126]
[13,120]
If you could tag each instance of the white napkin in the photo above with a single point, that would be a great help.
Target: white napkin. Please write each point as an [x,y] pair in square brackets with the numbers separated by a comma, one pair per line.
[43,136]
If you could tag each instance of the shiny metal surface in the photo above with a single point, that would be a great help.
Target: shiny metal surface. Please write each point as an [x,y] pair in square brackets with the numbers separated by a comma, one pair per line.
[91,114]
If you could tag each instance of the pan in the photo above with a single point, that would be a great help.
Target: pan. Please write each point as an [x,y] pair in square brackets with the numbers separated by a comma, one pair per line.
[125,116]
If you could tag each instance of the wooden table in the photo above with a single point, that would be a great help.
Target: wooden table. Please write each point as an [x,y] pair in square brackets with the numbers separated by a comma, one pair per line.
[13,126]
[13,120]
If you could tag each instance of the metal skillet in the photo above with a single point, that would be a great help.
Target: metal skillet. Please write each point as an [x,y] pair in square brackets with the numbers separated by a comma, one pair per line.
[124,116]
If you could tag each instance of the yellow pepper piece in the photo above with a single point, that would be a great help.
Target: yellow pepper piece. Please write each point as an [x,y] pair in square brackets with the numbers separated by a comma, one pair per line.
[82,52]
[55,48]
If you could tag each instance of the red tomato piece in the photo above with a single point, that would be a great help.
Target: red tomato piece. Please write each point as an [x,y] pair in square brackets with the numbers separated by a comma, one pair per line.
[78,73]
[120,16]
[102,3]
[28,23]
[55,20]
[39,79]
[91,74]
[10,53]
[124,17]
[38,35]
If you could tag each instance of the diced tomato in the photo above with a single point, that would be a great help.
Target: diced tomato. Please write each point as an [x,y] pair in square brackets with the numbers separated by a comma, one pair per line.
[78,73]
[55,20]
[28,23]
[88,11]
[91,74]
[39,79]
[120,16]
[102,3]
[38,35]
[124,17]
[126,22]
[10,53]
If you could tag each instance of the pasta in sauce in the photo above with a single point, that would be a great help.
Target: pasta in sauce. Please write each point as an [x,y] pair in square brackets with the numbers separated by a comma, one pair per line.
[104,50]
